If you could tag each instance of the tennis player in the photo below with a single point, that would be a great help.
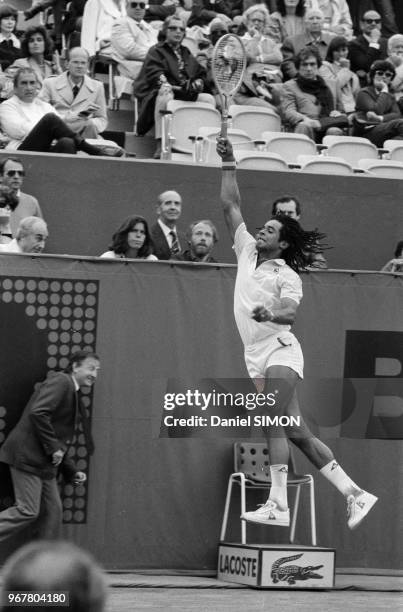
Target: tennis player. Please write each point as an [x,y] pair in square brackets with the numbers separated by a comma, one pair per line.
[267,294]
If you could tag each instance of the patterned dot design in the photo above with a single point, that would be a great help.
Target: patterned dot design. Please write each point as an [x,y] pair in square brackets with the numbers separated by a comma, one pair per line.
[67,311]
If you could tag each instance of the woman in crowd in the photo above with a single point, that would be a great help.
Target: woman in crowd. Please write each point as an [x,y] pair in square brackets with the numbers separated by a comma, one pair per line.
[9,43]
[36,48]
[131,240]
[337,16]
[395,264]
[395,56]
[287,20]
[8,203]
[335,71]
[308,105]
[169,71]
[377,114]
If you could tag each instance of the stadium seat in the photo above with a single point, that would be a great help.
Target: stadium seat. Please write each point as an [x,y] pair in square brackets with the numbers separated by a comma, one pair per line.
[395,148]
[382,167]
[254,119]
[322,164]
[350,148]
[260,160]
[239,140]
[184,119]
[252,471]
[289,146]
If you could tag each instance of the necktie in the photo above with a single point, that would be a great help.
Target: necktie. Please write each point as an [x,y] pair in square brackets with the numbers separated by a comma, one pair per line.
[85,425]
[174,243]
[75,90]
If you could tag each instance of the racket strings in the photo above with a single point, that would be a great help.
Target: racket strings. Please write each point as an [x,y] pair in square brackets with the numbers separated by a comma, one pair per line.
[229,64]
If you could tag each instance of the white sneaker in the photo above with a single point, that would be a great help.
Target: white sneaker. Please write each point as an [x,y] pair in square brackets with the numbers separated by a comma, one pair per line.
[268,514]
[358,508]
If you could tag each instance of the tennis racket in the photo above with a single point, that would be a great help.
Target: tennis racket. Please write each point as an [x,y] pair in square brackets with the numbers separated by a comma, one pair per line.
[228,67]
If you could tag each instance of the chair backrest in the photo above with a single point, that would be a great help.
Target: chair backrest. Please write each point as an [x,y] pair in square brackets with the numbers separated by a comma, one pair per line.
[289,146]
[239,140]
[252,459]
[321,164]
[382,167]
[187,117]
[260,160]
[396,153]
[254,119]
[350,148]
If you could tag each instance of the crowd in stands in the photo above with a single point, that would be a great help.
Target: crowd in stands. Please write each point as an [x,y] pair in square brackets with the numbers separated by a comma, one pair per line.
[311,61]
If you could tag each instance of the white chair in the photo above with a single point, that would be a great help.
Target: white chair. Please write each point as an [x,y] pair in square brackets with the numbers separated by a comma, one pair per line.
[260,160]
[395,148]
[184,119]
[321,164]
[252,471]
[289,146]
[239,140]
[254,119]
[350,148]
[382,167]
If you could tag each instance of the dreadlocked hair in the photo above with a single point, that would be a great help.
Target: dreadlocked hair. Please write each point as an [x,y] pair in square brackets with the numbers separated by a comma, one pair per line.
[302,245]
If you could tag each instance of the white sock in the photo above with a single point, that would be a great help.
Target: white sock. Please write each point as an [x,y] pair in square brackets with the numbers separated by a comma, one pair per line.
[278,491]
[338,477]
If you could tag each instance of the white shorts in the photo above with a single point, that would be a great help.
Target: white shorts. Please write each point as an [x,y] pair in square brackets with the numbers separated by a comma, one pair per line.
[277,349]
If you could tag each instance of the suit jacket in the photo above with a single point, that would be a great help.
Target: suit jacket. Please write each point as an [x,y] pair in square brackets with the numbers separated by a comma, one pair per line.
[130,44]
[28,206]
[57,91]
[297,105]
[362,55]
[161,247]
[47,424]
[18,118]
[293,44]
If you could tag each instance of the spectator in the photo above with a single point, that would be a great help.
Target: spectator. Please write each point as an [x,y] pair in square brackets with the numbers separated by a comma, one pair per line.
[98,19]
[378,116]
[202,236]
[313,36]
[167,239]
[8,202]
[34,125]
[159,10]
[395,55]
[132,38]
[288,20]
[337,16]
[79,100]
[10,46]
[36,46]
[368,47]
[132,240]
[169,71]
[395,264]
[31,237]
[12,175]
[338,76]
[386,8]
[54,567]
[308,104]
[258,46]
[58,8]
[203,11]
[72,22]
[289,206]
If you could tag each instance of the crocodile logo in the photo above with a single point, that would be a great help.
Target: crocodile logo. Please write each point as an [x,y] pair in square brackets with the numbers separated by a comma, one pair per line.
[292,573]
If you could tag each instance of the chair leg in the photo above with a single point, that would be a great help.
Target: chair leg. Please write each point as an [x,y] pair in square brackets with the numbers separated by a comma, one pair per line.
[295,514]
[243,509]
[226,509]
[313,510]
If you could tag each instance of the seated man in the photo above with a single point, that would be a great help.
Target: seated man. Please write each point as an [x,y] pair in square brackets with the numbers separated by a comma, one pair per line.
[31,237]
[368,47]
[79,100]
[201,237]
[33,125]
[131,39]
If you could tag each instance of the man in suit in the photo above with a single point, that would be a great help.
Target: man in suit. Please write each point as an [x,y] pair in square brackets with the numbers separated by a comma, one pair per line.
[313,36]
[131,39]
[79,100]
[30,237]
[37,447]
[168,242]
[12,175]
[368,47]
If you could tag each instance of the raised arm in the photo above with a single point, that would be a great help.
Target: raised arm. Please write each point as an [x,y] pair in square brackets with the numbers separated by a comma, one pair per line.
[230,196]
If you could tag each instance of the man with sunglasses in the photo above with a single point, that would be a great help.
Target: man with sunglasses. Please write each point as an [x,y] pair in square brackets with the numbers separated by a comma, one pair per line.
[131,39]
[368,47]
[12,175]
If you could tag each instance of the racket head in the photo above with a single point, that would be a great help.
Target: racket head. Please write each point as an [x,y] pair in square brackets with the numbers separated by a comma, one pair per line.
[228,64]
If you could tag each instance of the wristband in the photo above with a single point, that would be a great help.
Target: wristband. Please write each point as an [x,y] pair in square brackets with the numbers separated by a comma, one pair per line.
[228,165]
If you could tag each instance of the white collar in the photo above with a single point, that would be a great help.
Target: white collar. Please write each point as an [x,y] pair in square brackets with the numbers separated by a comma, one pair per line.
[167,230]
[75,383]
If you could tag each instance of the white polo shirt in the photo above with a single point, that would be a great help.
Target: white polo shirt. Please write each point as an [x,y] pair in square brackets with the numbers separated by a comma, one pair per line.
[262,286]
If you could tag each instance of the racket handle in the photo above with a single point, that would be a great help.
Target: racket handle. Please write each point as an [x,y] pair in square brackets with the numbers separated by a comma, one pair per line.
[224,125]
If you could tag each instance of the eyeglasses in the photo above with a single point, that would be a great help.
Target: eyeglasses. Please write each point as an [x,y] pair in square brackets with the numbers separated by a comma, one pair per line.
[177,28]
[15,173]
[386,73]
[369,21]
[141,5]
